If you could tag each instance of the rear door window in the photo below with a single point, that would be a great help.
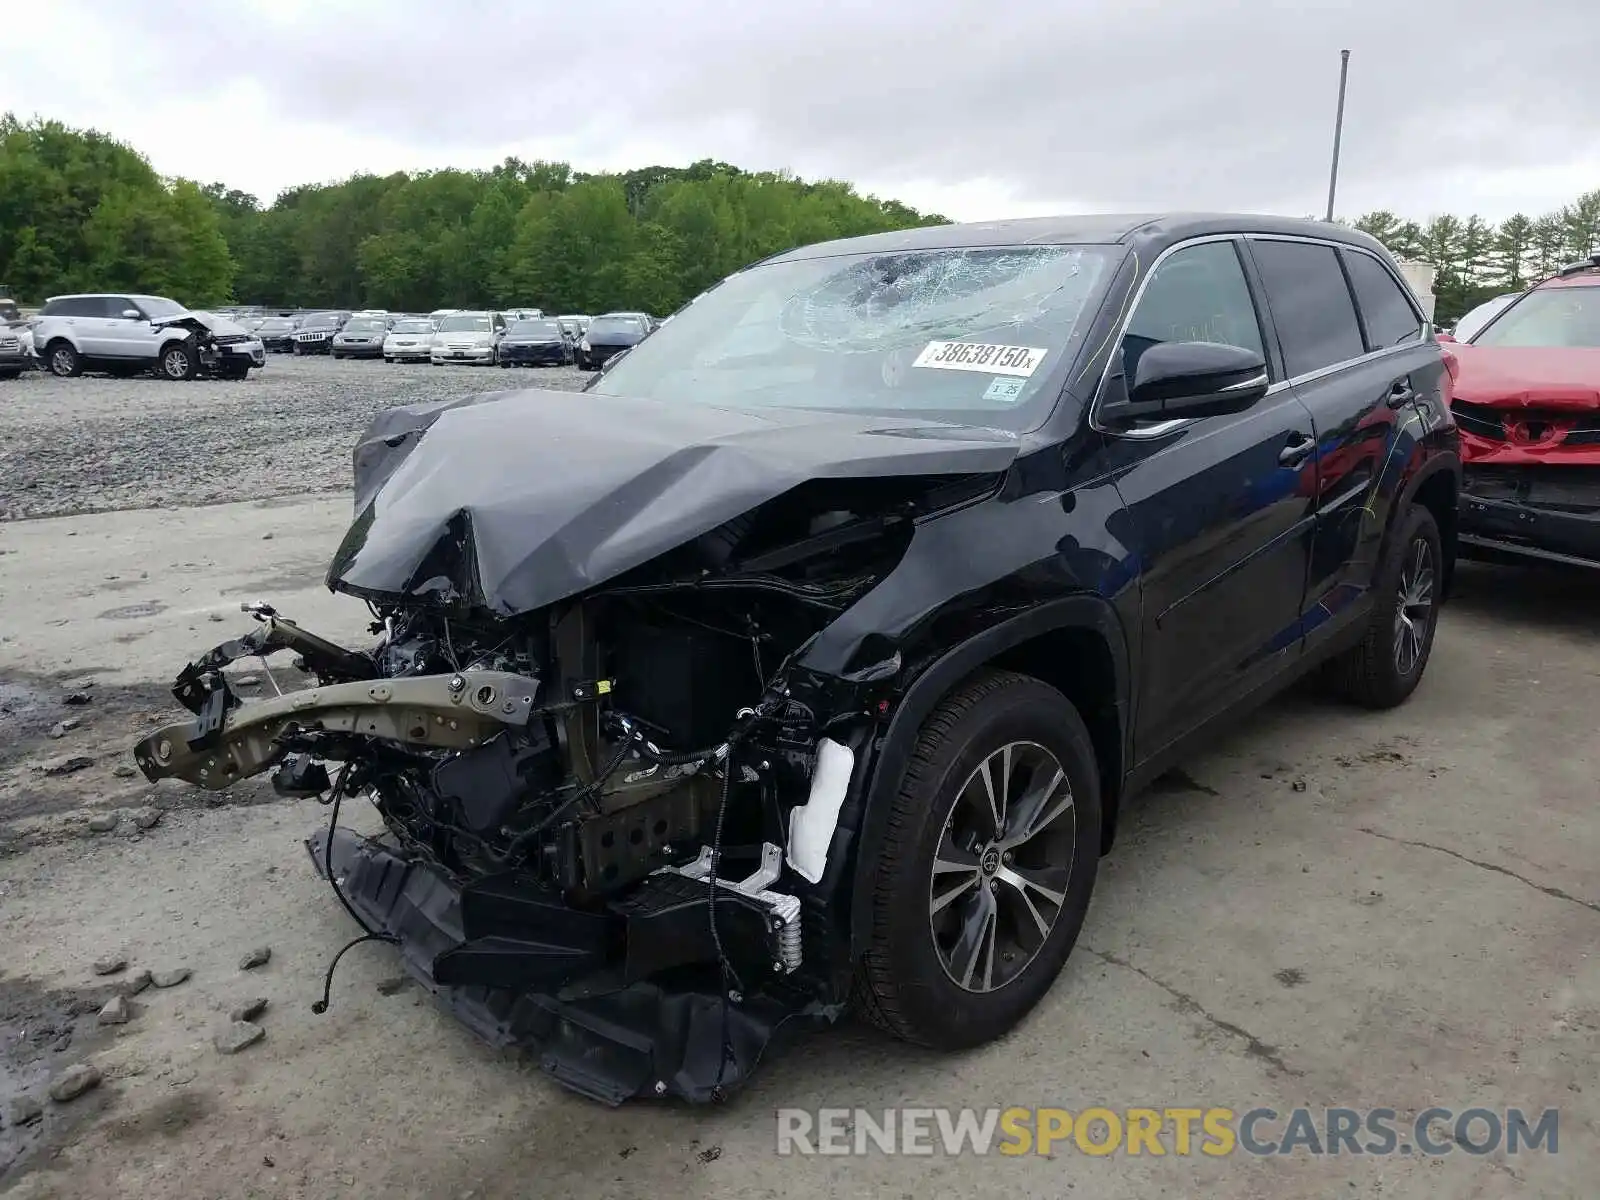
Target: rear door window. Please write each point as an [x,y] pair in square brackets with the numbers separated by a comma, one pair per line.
[1311,304]
[1385,309]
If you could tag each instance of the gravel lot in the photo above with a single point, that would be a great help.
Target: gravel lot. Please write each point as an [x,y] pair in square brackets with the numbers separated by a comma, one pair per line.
[1329,908]
[95,444]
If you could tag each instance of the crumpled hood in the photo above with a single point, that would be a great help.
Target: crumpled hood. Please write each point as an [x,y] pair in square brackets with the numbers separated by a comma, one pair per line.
[1528,376]
[513,500]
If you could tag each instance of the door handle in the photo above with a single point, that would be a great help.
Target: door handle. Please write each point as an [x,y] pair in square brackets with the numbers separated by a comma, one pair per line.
[1401,394]
[1297,451]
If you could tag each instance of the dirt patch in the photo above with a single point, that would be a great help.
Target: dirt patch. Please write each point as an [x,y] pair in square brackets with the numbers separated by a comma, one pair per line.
[52,779]
[41,1033]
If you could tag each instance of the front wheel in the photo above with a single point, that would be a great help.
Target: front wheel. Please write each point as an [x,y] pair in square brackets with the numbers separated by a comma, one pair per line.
[64,360]
[1385,666]
[985,872]
[179,361]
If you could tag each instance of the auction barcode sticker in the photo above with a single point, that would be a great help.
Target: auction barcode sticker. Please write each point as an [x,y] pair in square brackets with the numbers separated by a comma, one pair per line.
[981,356]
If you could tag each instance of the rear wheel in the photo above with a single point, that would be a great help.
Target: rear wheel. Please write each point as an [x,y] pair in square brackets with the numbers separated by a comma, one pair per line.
[987,865]
[1385,666]
[63,359]
[179,361]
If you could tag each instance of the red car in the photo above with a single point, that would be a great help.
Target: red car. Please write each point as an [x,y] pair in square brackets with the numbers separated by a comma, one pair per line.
[1527,401]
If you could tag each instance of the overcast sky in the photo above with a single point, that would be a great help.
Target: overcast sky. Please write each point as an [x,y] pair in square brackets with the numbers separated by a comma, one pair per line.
[974,108]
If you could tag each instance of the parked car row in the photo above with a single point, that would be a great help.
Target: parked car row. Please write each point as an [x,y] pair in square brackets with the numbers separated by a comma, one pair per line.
[128,334]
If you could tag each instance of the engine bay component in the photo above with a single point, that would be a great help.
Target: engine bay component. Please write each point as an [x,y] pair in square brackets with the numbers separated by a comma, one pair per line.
[785,909]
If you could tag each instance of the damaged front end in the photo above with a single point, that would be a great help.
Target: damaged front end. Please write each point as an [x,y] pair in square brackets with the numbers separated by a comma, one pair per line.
[616,825]
[1530,445]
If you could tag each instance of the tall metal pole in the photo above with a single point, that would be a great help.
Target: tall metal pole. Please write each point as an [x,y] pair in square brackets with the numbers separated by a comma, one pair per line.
[1338,130]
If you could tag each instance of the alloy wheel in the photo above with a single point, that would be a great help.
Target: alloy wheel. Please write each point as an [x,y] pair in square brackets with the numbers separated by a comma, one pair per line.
[61,362]
[1413,615]
[1002,867]
[175,363]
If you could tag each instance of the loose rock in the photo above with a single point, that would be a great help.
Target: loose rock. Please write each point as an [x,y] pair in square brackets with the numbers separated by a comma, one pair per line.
[58,730]
[237,1036]
[23,1110]
[146,818]
[249,1010]
[117,1010]
[217,617]
[171,977]
[104,822]
[123,771]
[64,766]
[110,964]
[266,537]
[74,1082]
[259,957]
[134,984]
[76,698]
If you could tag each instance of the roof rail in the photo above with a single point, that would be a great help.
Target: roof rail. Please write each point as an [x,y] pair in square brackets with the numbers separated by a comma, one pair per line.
[1592,263]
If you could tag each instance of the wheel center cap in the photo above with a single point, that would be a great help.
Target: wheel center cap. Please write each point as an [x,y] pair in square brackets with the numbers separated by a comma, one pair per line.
[990,862]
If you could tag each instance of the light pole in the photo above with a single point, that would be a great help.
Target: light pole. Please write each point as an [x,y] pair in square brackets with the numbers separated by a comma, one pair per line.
[1338,129]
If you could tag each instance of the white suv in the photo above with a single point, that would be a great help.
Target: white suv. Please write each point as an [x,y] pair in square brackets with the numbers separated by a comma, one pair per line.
[128,335]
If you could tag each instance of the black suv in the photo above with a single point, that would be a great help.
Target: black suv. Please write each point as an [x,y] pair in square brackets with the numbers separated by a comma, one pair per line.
[813,651]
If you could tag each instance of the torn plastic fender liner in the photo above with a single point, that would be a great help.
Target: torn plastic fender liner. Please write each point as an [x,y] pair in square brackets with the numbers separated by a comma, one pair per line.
[610,1043]
[454,711]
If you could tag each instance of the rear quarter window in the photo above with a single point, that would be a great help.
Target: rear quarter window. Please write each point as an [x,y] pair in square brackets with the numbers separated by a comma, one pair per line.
[1385,308]
[1310,303]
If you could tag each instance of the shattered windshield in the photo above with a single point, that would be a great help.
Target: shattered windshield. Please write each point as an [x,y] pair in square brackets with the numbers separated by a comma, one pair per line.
[958,332]
[1557,316]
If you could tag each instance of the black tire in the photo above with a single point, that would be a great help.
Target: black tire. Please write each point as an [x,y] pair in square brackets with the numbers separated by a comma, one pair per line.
[62,360]
[178,362]
[1385,666]
[904,983]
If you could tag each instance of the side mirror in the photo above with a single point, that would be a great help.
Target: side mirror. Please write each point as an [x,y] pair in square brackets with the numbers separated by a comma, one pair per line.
[1190,379]
[132,314]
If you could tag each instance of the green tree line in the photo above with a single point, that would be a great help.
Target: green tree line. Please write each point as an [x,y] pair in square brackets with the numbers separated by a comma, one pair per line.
[1476,259]
[79,211]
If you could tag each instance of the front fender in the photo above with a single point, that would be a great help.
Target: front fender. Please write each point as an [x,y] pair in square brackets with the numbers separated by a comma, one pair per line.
[937,680]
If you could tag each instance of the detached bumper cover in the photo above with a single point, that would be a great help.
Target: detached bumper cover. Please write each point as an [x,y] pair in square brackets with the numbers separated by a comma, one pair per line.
[1548,513]
[610,1043]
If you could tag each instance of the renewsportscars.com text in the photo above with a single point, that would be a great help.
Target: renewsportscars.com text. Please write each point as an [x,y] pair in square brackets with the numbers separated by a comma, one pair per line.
[1216,1132]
